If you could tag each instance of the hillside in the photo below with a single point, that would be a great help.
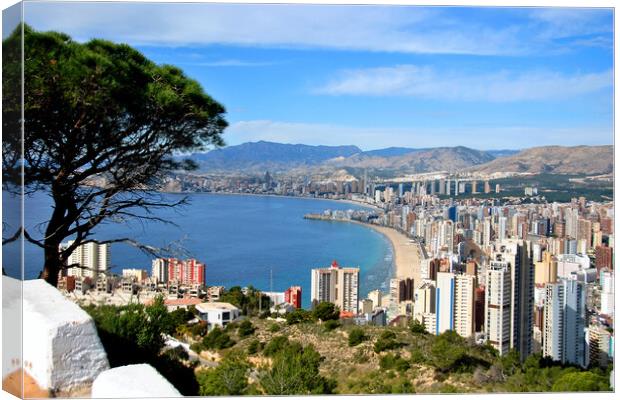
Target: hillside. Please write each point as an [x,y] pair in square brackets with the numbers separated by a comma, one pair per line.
[589,160]
[271,156]
[426,160]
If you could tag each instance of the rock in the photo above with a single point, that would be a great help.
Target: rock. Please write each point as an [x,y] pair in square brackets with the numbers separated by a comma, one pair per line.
[139,380]
[61,349]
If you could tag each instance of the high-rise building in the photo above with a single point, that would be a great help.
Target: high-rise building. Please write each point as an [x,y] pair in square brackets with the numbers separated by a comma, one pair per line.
[546,271]
[510,264]
[187,272]
[497,308]
[563,333]
[424,300]
[607,292]
[402,289]
[464,305]
[376,297]
[444,302]
[90,259]
[487,187]
[599,346]
[159,270]
[292,296]
[604,257]
[336,284]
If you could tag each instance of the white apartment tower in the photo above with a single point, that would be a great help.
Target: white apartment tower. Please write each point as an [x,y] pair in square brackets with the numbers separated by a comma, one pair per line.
[338,285]
[497,305]
[91,259]
[564,322]
[464,304]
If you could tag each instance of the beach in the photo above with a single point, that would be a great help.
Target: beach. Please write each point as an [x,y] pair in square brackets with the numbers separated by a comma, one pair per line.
[406,253]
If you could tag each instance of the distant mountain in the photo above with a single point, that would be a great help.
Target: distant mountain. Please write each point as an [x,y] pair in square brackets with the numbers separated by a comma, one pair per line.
[269,156]
[423,160]
[391,152]
[502,153]
[589,160]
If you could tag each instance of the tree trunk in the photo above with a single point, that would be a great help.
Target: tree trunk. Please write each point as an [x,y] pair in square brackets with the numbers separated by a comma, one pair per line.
[53,263]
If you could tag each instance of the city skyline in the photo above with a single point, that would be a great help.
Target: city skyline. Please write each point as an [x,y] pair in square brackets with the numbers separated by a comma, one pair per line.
[377,76]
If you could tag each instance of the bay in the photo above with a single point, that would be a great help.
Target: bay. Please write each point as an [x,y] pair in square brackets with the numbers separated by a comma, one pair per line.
[262,241]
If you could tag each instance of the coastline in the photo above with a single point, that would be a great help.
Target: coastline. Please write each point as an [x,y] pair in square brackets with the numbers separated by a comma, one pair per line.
[406,252]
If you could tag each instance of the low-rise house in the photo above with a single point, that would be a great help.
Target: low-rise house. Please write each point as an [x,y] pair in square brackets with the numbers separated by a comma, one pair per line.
[185,303]
[217,313]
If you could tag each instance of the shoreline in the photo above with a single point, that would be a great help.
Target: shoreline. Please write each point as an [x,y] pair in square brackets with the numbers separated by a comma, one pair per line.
[352,202]
[405,251]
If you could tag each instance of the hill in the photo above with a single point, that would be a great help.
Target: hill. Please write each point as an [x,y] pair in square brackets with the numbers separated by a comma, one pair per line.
[261,156]
[588,160]
[425,160]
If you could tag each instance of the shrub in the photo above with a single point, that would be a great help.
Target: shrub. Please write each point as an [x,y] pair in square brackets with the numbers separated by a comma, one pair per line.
[331,324]
[276,345]
[273,328]
[229,378]
[356,336]
[217,339]
[326,311]
[297,316]
[386,341]
[255,346]
[245,328]
[417,327]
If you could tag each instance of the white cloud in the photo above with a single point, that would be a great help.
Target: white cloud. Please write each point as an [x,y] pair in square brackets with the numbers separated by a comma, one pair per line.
[228,63]
[370,28]
[479,137]
[502,86]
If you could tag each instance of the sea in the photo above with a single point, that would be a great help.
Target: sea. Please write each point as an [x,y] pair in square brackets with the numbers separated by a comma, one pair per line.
[262,241]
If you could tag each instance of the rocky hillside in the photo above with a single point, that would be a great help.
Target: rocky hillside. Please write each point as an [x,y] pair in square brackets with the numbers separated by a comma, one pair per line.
[589,160]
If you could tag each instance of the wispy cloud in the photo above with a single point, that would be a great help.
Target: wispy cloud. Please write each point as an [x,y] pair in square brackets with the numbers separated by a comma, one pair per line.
[369,28]
[228,63]
[429,83]
[480,137]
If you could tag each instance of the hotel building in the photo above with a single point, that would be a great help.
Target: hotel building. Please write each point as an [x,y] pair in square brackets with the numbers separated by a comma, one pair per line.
[338,285]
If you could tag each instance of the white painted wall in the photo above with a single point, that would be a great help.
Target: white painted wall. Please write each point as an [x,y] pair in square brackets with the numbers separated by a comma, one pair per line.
[139,380]
[61,348]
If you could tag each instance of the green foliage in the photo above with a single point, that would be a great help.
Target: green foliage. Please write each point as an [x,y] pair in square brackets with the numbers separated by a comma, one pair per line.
[586,381]
[250,303]
[325,311]
[245,328]
[255,346]
[229,378]
[140,328]
[277,344]
[448,351]
[391,361]
[417,327]
[217,339]
[386,341]
[298,316]
[331,324]
[273,328]
[295,371]
[96,109]
[356,336]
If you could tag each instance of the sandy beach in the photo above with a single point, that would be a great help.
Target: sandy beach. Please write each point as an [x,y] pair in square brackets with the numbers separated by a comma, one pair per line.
[407,253]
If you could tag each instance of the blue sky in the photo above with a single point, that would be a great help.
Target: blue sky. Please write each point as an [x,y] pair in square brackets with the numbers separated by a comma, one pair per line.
[377,76]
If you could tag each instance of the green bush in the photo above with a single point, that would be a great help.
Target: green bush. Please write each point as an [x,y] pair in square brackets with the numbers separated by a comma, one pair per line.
[217,339]
[245,328]
[390,361]
[297,316]
[276,345]
[386,341]
[331,324]
[255,346]
[326,311]
[356,336]
[586,381]
[273,328]
[229,378]
[417,327]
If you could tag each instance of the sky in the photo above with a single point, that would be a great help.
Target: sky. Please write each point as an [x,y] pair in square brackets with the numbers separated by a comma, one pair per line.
[376,76]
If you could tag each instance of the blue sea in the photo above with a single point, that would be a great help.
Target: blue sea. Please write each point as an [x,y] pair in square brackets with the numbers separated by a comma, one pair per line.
[262,241]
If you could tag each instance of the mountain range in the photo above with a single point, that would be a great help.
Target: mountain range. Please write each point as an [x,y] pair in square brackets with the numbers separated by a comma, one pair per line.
[258,157]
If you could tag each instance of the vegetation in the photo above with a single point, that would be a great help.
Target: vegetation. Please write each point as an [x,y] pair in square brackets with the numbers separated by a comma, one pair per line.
[217,339]
[140,328]
[229,378]
[245,328]
[294,371]
[356,336]
[250,303]
[104,123]
[386,341]
[326,311]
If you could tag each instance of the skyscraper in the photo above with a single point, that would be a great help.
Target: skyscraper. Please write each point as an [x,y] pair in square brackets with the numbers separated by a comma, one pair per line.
[338,285]
[90,259]
[464,305]
[497,305]
[292,296]
[564,322]
[444,298]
